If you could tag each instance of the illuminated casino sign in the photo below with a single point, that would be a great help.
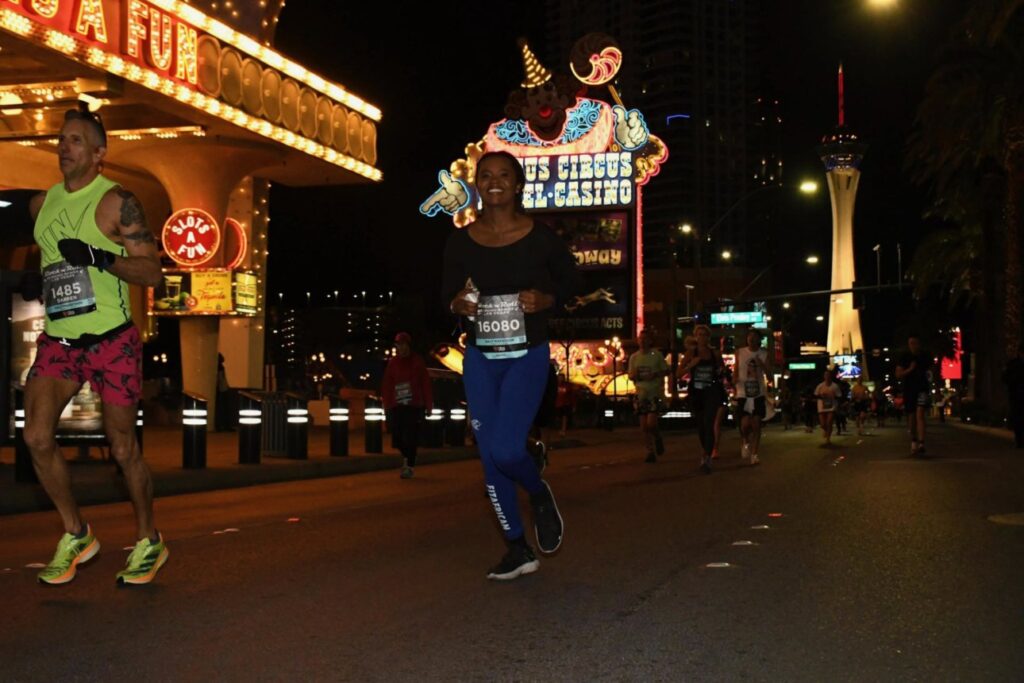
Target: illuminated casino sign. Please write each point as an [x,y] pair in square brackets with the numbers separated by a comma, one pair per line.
[578,181]
[586,156]
[191,237]
[173,48]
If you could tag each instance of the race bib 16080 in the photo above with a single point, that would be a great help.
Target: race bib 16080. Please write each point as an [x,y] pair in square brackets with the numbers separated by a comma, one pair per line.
[501,326]
[68,290]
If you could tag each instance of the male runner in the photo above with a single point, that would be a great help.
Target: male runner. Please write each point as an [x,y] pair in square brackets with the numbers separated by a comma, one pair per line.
[94,241]
[647,369]
[913,369]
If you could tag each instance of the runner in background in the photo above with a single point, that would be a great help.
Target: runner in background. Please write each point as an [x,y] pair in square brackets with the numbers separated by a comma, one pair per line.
[707,394]
[913,369]
[861,403]
[647,369]
[406,394]
[828,395]
[752,374]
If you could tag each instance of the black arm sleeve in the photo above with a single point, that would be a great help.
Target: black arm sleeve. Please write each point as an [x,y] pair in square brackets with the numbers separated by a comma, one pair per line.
[453,274]
[562,266]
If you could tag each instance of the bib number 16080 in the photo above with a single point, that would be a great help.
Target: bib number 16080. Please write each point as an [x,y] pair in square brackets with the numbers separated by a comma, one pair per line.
[499,326]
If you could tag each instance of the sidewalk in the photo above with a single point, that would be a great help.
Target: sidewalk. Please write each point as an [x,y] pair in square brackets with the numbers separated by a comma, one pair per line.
[95,480]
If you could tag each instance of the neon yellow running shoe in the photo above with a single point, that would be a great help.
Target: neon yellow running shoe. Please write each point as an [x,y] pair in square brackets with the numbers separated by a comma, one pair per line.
[70,553]
[144,562]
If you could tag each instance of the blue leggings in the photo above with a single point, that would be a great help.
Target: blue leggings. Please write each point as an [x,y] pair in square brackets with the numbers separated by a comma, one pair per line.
[503,397]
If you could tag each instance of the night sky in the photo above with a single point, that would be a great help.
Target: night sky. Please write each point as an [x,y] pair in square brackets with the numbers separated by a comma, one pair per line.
[441,76]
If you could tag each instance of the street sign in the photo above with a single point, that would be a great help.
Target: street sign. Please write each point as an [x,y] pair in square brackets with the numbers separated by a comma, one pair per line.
[737,318]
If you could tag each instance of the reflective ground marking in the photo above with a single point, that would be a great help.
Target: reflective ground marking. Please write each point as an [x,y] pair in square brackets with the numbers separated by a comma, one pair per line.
[35,565]
[775,514]
[838,460]
[1013,519]
[760,527]
[743,543]
[718,565]
[293,519]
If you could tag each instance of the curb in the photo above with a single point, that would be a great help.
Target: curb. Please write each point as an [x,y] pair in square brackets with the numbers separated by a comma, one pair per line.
[105,485]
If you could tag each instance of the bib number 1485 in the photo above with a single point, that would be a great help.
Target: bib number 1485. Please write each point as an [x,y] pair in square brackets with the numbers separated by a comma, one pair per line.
[70,289]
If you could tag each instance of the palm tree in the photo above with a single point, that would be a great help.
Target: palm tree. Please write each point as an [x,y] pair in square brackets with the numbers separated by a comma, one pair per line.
[968,148]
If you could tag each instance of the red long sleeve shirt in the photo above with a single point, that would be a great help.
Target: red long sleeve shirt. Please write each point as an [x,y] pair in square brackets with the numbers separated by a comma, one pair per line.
[406,382]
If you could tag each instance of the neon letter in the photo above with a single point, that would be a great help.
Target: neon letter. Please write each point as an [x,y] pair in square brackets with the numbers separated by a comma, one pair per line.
[90,17]
[135,29]
[45,8]
[188,49]
[160,40]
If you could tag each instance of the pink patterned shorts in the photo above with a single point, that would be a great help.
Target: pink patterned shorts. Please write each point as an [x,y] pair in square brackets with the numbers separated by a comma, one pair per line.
[113,367]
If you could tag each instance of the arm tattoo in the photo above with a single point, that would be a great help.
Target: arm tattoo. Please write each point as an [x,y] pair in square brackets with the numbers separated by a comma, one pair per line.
[131,210]
[140,237]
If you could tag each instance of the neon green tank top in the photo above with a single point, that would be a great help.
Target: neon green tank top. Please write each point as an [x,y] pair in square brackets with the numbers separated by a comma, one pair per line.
[79,300]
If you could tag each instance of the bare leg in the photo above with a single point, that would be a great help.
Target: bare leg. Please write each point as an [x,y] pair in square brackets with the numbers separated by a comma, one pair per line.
[645,425]
[45,398]
[755,433]
[119,422]
[920,424]
[719,414]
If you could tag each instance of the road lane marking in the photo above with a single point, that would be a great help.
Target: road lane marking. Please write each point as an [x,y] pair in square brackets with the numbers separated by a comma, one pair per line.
[1013,519]
[775,514]
[744,543]
[34,565]
[760,527]
[718,565]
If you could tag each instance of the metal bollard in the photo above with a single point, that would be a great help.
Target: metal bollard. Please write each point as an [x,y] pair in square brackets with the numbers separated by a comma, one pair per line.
[193,432]
[456,431]
[433,433]
[338,416]
[138,426]
[23,469]
[298,428]
[373,414]
[250,427]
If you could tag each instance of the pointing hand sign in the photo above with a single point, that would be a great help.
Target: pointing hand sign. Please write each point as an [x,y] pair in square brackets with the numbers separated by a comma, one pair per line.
[451,197]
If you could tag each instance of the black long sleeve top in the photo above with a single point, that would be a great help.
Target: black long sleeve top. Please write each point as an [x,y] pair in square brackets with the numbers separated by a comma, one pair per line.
[540,260]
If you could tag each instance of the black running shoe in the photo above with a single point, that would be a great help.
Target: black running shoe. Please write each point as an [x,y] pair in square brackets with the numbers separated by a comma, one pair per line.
[547,521]
[705,465]
[659,445]
[651,457]
[518,560]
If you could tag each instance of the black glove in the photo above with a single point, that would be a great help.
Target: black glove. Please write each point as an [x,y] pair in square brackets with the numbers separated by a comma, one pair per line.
[31,285]
[78,253]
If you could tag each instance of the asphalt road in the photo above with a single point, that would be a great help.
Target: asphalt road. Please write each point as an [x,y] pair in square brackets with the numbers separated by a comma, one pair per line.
[880,567]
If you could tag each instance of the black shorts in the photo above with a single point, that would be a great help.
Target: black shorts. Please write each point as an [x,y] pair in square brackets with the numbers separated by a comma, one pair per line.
[861,407]
[919,399]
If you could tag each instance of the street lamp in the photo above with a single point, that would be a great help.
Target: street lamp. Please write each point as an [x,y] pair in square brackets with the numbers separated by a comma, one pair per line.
[812,260]
[785,304]
[806,187]
[726,255]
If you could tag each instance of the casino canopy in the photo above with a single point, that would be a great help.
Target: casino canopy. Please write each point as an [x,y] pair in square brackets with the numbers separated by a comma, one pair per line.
[163,72]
